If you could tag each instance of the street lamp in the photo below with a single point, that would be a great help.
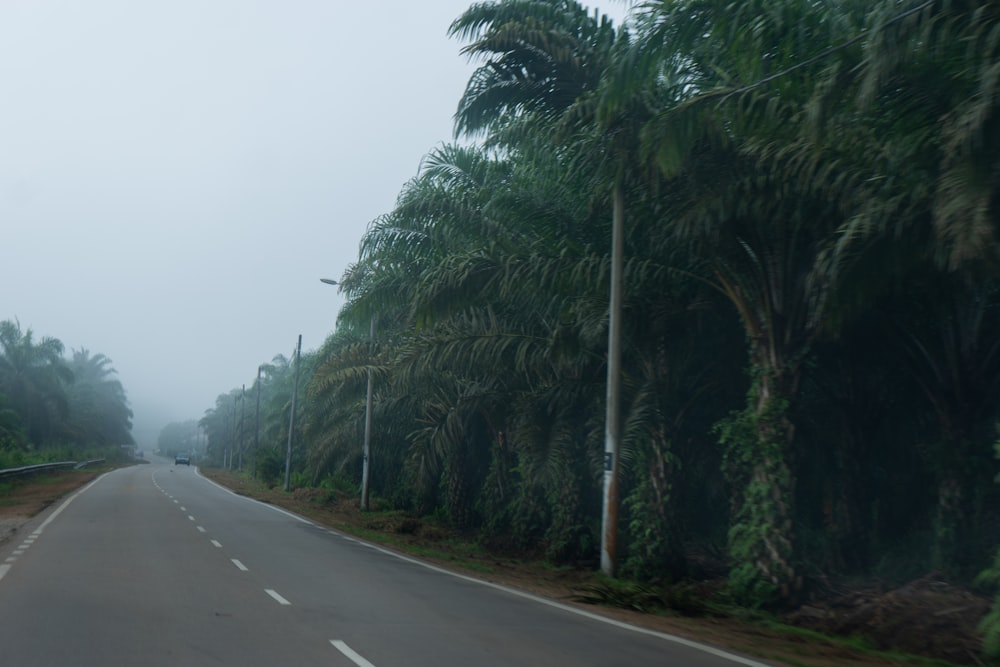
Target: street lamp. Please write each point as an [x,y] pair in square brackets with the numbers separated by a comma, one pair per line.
[366,448]
[291,416]
[256,425]
[243,410]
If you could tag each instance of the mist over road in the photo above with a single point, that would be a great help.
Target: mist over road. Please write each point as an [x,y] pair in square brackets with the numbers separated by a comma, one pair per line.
[155,565]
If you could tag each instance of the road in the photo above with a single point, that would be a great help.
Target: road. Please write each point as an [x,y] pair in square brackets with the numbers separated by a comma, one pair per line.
[155,565]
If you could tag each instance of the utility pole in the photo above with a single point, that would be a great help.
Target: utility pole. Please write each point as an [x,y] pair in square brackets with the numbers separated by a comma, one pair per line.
[291,418]
[366,449]
[243,410]
[256,426]
[232,437]
[612,429]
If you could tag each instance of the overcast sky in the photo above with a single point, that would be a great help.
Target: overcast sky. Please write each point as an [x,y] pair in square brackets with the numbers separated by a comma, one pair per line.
[176,176]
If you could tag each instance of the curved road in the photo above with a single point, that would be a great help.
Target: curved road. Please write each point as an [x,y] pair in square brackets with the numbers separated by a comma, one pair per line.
[155,565]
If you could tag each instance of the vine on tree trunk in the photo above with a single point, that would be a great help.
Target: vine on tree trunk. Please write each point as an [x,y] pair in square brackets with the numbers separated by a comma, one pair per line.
[762,537]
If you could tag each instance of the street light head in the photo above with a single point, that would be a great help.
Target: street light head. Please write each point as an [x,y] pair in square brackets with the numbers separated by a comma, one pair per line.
[329,281]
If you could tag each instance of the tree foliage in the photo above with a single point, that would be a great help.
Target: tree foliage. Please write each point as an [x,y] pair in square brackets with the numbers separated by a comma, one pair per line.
[810,326]
[50,401]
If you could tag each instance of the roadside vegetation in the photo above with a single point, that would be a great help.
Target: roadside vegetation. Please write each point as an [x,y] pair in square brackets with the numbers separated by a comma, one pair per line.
[58,407]
[808,194]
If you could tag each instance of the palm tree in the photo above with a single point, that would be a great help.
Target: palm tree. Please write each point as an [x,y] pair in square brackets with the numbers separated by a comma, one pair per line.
[928,85]
[543,58]
[473,230]
[99,412]
[545,66]
[337,403]
[34,377]
[949,337]
[931,72]
[11,432]
[756,197]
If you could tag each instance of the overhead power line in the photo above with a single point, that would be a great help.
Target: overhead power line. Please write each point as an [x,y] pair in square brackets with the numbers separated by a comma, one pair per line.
[833,49]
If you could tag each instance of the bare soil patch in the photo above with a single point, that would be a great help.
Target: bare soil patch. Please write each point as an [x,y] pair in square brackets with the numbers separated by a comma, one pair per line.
[928,616]
[23,498]
[926,622]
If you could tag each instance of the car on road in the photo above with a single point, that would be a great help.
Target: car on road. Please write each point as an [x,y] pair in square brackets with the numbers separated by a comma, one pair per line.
[182,458]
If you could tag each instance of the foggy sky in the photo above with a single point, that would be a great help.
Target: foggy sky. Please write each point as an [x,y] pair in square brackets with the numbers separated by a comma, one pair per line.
[176,176]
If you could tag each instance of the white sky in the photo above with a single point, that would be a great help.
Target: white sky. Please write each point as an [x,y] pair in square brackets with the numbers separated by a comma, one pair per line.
[176,175]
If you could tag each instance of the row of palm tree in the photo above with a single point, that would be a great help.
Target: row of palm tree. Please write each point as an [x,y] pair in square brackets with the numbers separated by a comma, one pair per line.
[805,196]
[248,428]
[48,400]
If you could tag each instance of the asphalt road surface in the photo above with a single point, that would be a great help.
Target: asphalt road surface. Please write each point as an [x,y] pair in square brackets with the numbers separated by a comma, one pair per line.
[155,565]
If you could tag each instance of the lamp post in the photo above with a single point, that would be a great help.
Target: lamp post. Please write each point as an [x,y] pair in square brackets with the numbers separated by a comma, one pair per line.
[613,417]
[228,458]
[256,425]
[291,418]
[366,447]
[243,410]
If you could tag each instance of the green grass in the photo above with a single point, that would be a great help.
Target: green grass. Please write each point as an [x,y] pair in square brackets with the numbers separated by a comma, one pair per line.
[388,539]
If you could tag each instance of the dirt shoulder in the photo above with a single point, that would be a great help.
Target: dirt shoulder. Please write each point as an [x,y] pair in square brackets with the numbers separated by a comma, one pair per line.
[21,499]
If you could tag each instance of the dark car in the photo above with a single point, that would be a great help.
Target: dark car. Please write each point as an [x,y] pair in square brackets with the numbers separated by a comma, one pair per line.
[182,458]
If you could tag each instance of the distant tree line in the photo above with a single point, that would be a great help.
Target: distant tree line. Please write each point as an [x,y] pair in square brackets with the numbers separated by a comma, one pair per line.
[180,437]
[248,427]
[811,339]
[53,403]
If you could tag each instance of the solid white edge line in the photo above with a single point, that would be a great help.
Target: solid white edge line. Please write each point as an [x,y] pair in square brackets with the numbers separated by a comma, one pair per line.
[59,510]
[273,593]
[682,641]
[351,654]
[257,502]
[689,643]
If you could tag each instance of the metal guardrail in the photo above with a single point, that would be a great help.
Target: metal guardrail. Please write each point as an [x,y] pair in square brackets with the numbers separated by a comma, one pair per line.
[25,471]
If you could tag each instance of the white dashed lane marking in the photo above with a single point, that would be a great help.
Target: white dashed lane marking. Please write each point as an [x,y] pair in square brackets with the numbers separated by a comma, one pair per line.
[274,594]
[350,653]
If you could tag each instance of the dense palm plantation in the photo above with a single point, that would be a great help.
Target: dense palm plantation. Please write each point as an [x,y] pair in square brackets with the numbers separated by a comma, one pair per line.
[51,403]
[806,194]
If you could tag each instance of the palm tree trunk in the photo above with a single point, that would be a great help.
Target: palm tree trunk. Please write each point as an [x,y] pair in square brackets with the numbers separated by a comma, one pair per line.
[762,539]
